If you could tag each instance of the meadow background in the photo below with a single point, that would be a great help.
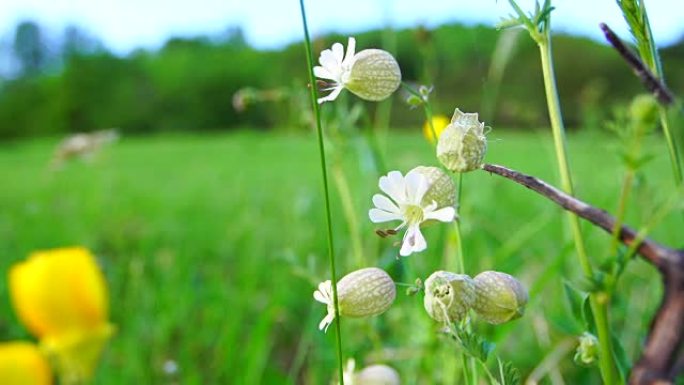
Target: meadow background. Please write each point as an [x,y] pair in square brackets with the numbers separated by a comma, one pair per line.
[207,219]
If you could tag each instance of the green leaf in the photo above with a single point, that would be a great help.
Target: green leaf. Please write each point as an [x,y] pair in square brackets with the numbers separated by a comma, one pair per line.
[588,316]
[510,375]
[473,344]
[510,22]
[575,299]
[623,363]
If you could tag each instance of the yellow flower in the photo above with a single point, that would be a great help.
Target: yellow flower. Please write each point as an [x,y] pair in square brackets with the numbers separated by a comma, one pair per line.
[22,363]
[61,297]
[439,122]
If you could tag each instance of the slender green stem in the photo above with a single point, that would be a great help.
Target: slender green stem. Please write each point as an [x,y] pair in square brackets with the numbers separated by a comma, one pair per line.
[652,58]
[457,227]
[559,144]
[349,210]
[427,108]
[671,146]
[326,193]
[599,306]
[466,371]
[622,208]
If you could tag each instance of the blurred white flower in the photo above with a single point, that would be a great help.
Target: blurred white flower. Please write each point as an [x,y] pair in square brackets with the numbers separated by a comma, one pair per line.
[335,66]
[406,203]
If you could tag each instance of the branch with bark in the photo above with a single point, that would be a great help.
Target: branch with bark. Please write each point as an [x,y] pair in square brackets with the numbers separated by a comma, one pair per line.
[663,353]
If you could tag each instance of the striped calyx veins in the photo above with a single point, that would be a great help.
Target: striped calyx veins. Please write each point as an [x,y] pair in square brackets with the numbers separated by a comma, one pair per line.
[448,296]
[499,297]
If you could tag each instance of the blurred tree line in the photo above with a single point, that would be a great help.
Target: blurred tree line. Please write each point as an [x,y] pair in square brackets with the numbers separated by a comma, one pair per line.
[77,85]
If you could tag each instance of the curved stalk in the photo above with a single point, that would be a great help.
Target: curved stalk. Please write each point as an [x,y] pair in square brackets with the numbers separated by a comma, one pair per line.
[326,193]
[599,303]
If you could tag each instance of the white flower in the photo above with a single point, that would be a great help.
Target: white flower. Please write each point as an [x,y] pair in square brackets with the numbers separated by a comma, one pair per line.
[371,74]
[362,293]
[407,205]
[335,66]
[324,295]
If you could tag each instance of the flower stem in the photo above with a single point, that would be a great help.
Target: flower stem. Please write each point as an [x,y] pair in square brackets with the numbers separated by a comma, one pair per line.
[652,58]
[326,193]
[427,108]
[599,307]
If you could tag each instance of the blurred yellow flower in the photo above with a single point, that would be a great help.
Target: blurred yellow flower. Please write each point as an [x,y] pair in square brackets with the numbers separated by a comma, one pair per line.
[61,297]
[439,122]
[22,363]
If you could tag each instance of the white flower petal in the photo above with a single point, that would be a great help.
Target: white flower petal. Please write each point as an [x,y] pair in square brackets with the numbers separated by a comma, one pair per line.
[384,203]
[325,322]
[319,297]
[378,216]
[351,48]
[416,187]
[329,61]
[323,73]
[393,184]
[445,214]
[338,52]
[413,241]
[331,96]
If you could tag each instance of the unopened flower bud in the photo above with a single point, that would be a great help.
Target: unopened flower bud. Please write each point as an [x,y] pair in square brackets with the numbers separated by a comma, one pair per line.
[362,293]
[588,350]
[377,375]
[448,296]
[499,297]
[374,75]
[413,101]
[462,145]
[441,188]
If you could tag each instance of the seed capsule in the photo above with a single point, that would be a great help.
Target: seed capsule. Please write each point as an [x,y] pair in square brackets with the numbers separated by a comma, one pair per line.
[362,293]
[462,145]
[374,76]
[499,297]
[448,296]
[442,189]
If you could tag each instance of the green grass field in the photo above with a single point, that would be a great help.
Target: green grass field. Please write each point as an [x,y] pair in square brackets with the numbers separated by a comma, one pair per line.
[213,245]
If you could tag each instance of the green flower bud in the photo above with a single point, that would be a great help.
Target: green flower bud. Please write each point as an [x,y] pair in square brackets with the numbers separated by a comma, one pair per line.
[442,189]
[377,375]
[448,296]
[374,76]
[588,350]
[462,145]
[499,297]
[362,293]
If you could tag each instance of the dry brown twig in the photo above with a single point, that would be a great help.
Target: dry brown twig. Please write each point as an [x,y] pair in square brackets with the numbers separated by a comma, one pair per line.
[648,79]
[661,359]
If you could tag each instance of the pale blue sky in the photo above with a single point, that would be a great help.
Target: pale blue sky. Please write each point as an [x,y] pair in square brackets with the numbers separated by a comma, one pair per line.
[126,24]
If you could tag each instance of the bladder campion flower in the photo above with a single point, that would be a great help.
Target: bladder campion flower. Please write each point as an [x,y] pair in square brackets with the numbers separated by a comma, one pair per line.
[448,296]
[407,202]
[22,363]
[371,74]
[377,374]
[462,145]
[499,297]
[361,293]
[61,297]
[439,123]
